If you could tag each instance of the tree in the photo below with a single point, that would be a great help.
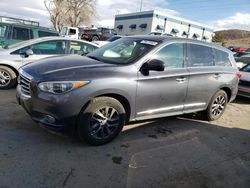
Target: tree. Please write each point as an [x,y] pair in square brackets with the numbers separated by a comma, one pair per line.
[80,12]
[70,12]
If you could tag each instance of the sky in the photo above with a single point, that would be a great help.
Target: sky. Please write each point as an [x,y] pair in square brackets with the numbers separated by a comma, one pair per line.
[220,14]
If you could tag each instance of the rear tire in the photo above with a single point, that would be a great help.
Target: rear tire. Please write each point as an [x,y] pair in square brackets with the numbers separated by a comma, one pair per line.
[101,121]
[216,106]
[8,78]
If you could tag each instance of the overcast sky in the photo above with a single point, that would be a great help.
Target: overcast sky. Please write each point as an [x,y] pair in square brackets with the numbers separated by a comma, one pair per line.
[221,14]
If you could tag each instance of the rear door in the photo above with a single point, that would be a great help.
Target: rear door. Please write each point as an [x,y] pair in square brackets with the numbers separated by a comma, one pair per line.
[204,77]
[163,93]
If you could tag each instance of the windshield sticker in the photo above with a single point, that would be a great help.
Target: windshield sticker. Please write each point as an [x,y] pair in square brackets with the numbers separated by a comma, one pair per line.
[148,42]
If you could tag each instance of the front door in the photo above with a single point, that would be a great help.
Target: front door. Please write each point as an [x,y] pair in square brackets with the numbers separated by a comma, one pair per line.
[163,93]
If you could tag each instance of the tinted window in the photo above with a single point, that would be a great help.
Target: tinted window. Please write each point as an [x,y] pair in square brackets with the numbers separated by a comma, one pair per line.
[80,48]
[31,34]
[171,55]
[72,31]
[3,31]
[245,68]
[50,47]
[221,58]
[46,34]
[20,33]
[199,55]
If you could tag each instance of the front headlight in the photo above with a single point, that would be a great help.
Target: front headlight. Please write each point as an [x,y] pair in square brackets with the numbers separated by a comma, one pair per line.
[59,87]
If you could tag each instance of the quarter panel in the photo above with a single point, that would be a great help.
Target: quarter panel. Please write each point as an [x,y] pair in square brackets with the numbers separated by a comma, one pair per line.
[205,81]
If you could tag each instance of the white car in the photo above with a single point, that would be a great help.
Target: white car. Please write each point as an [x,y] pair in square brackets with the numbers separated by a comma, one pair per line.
[14,56]
[244,83]
[104,42]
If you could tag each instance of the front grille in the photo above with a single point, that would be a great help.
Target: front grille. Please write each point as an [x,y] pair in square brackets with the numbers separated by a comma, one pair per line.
[25,84]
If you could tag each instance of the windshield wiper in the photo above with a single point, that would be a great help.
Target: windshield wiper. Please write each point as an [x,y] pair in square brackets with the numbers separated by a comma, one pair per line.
[93,57]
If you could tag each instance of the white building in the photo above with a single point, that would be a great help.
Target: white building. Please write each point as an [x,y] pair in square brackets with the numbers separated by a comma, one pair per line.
[140,23]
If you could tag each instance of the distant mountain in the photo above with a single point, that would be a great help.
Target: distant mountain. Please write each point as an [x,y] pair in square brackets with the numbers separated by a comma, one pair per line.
[235,37]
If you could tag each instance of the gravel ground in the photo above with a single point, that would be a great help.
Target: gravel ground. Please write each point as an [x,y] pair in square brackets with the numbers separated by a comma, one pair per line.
[181,151]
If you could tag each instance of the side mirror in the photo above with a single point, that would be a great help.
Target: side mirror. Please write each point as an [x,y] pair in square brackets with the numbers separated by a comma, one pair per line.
[26,53]
[152,65]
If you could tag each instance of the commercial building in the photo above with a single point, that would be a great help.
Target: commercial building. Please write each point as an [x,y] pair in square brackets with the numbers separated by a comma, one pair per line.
[140,23]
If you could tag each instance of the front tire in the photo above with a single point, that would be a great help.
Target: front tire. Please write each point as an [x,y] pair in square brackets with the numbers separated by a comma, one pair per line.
[101,121]
[8,78]
[216,106]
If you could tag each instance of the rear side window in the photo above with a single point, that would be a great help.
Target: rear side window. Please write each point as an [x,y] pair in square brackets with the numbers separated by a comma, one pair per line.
[46,34]
[199,55]
[50,47]
[80,48]
[171,55]
[221,58]
[19,33]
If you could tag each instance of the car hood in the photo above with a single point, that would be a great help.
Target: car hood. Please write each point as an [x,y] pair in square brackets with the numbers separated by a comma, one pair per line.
[63,64]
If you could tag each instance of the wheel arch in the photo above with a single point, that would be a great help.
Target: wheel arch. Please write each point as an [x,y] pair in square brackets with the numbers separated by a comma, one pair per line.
[228,92]
[11,67]
[123,100]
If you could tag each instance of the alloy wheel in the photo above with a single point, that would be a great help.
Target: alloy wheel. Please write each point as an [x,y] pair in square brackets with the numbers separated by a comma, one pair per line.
[4,78]
[218,105]
[104,122]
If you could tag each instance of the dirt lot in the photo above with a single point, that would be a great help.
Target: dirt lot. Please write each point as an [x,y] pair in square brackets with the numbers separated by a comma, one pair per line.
[170,152]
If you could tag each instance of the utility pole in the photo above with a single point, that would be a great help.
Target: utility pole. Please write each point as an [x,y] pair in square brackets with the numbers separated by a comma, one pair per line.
[141,6]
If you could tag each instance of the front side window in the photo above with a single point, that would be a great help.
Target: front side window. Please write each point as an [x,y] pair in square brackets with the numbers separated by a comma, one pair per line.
[123,51]
[80,48]
[3,31]
[19,33]
[46,48]
[221,58]
[50,47]
[171,55]
[199,55]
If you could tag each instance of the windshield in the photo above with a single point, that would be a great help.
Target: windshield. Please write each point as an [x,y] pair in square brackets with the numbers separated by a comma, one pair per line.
[111,39]
[123,51]
[3,31]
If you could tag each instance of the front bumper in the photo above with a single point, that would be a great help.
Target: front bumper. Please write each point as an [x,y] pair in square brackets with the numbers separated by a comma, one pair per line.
[244,91]
[58,115]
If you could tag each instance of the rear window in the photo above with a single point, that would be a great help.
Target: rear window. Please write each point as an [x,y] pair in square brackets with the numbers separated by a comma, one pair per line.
[46,34]
[199,55]
[221,58]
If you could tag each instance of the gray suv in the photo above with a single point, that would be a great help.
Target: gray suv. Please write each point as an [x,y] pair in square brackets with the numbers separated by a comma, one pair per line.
[130,79]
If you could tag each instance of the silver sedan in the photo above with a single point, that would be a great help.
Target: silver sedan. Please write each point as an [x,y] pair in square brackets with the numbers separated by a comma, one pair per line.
[14,56]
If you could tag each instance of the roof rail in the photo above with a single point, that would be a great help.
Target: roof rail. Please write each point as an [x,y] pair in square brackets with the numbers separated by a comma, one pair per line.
[6,19]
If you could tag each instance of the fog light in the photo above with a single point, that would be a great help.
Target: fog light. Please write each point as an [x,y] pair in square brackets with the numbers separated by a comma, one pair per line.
[50,119]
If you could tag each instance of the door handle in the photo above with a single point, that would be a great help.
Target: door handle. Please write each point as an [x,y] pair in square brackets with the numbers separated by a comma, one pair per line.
[181,79]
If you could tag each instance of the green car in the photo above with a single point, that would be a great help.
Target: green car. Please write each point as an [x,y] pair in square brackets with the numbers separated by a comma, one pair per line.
[14,30]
